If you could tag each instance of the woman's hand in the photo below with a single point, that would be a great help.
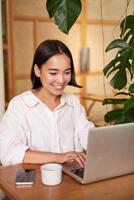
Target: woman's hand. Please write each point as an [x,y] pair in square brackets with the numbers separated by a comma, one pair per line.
[71,156]
[47,157]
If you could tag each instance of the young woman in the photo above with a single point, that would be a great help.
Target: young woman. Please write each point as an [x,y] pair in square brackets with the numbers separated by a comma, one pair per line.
[45,124]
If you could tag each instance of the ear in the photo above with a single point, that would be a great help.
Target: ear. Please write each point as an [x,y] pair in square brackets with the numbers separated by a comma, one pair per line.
[36,70]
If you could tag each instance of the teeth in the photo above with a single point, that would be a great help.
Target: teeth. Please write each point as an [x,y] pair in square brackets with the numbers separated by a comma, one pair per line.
[58,86]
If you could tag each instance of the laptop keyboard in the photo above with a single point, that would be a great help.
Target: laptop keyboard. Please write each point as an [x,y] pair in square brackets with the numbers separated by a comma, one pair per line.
[79,172]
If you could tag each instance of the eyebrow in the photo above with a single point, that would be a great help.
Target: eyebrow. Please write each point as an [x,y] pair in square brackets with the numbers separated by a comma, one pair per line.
[53,69]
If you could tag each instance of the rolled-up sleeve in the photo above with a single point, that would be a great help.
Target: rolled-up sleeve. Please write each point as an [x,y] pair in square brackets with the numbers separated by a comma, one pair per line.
[12,141]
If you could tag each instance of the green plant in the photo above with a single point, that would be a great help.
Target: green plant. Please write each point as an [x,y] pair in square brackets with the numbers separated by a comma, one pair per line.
[122,70]
[65,12]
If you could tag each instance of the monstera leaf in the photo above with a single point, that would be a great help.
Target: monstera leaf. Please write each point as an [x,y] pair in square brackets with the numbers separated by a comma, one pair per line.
[127,28]
[121,72]
[132,65]
[120,65]
[118,43]
[65,12]
[131,88]
[118,116]
[127,33]
[115,115]
[124,59]
[114,101]
[129,105]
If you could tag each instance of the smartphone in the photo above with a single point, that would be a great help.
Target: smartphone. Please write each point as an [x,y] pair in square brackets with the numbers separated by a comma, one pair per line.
[25,177]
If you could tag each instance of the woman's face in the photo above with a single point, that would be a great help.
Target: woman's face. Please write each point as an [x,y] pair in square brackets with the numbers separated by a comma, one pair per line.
[55,74]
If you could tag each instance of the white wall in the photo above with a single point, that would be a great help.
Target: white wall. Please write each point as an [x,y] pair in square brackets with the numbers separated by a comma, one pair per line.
[2,101]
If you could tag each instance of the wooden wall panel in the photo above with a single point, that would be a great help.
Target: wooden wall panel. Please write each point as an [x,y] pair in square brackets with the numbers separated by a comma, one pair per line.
[95,85]
[95,43]
[112,10]
[23,47]
[30,7]
[23,85]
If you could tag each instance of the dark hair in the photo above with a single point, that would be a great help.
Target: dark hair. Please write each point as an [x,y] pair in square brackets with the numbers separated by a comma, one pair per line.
[46,50]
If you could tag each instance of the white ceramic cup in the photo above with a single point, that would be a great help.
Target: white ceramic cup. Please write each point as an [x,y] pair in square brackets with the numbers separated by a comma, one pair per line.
[51,174]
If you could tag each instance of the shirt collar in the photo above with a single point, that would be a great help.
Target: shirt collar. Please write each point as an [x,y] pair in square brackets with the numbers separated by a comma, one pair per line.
[65,98]
[31,100]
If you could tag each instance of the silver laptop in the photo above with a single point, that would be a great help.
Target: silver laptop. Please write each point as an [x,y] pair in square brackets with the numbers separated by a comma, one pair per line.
[110,153]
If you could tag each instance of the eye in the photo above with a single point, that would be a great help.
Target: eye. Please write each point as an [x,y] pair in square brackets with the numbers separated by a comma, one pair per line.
[68,72]
[53,73]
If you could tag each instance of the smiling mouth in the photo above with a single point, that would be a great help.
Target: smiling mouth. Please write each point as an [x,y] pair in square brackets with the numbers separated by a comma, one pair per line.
[59,86]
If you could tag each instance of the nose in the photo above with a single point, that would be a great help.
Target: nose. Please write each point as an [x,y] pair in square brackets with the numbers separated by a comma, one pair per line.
[61,78]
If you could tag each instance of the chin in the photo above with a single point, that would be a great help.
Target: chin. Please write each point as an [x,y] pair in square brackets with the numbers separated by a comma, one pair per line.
[57,93]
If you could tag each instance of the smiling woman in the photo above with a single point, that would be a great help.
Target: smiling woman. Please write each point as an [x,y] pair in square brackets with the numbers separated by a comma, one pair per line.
[45,124]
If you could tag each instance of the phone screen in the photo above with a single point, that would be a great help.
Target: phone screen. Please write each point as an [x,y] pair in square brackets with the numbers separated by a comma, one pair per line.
[25,177]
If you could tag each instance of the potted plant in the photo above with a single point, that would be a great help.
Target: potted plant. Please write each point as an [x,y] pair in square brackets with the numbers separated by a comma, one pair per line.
[121,68]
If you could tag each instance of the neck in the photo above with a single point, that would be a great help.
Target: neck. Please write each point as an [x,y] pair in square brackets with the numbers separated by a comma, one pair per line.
[48,99]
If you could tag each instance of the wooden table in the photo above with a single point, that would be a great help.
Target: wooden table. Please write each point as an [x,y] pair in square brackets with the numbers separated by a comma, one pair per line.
[121,188]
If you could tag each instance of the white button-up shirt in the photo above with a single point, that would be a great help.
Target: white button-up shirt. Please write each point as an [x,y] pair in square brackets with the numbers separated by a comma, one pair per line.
[29,124]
